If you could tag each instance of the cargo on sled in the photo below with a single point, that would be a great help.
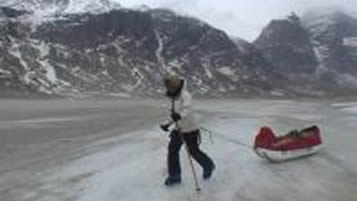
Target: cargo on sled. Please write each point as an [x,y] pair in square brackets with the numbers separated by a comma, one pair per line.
[293,145]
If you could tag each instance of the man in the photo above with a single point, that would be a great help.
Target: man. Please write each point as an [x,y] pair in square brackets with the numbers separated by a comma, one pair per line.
[186,129]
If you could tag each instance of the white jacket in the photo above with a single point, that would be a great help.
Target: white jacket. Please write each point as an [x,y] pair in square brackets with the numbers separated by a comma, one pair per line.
[183,106]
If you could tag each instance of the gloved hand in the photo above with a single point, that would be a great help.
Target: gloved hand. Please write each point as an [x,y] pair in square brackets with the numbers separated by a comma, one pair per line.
[175,116]
[165,127]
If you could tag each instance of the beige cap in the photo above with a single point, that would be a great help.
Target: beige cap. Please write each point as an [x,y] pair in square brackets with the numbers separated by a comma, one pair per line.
[172,82]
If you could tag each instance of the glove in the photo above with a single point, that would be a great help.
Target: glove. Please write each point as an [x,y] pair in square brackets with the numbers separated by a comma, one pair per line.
[175,116]
[165,127]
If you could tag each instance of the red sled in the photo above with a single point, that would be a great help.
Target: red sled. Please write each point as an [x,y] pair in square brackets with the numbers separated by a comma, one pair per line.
[295,144]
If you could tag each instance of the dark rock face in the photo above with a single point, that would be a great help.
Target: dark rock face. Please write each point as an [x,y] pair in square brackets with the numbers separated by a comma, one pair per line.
[287,45]
[11,13]
[316,53]
[10,68]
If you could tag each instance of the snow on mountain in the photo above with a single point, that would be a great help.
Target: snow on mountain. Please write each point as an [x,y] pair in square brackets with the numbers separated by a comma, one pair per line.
[242,45]
[127,51]
[333,32]
[319,21]
[92,47]
[318,52]
[284,42]
[56,7]
[350,41]
[91,6]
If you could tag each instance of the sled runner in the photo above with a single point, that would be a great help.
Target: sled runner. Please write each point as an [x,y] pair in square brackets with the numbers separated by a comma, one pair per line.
[293,145]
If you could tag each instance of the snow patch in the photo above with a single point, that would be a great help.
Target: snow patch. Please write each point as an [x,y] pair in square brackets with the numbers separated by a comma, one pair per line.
[321,53]
[350,41]
[277,93]
[120,95]
[345,104]
[229,72]
[226,71]
[158,53]
[139,78]
[92,6]
[50,71]
[176,63]
[351,109]
[147,68]
[320,57]
[206,66]
[64,83]
[347,79]
[5,73]
[208,72]
[222,89]
[47,120]
[105,72]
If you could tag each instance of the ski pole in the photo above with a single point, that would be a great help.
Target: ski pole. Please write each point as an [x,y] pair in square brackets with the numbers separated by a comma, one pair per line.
[193,170]
[197,186]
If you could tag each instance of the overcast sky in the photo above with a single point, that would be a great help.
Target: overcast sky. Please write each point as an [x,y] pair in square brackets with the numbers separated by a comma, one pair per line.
[242,18]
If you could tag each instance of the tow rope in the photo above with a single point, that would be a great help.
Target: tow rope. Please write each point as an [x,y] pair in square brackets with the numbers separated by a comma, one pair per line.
[234,141]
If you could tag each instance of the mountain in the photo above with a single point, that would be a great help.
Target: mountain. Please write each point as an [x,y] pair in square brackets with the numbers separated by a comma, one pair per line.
[125,52]
[286,43]
[333,33]
[316,51]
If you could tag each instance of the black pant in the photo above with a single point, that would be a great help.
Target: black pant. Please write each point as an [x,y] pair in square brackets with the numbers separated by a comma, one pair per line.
[173,158]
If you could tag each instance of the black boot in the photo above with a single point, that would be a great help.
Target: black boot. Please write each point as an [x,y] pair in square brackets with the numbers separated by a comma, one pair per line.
[207,174]
[171,181]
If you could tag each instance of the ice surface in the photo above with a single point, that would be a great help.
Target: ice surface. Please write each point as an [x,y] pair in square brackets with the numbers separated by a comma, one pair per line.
[129,164]
[135,169]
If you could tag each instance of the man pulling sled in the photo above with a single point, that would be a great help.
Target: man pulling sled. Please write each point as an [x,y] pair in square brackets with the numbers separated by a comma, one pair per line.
[186,132]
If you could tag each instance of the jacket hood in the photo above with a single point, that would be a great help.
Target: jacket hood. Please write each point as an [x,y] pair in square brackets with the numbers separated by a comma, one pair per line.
[177,93]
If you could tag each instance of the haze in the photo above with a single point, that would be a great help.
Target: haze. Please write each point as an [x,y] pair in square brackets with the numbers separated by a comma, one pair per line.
[240,18]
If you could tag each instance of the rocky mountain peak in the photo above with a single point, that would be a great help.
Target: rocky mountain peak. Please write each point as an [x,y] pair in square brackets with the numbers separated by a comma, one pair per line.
[286,44]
